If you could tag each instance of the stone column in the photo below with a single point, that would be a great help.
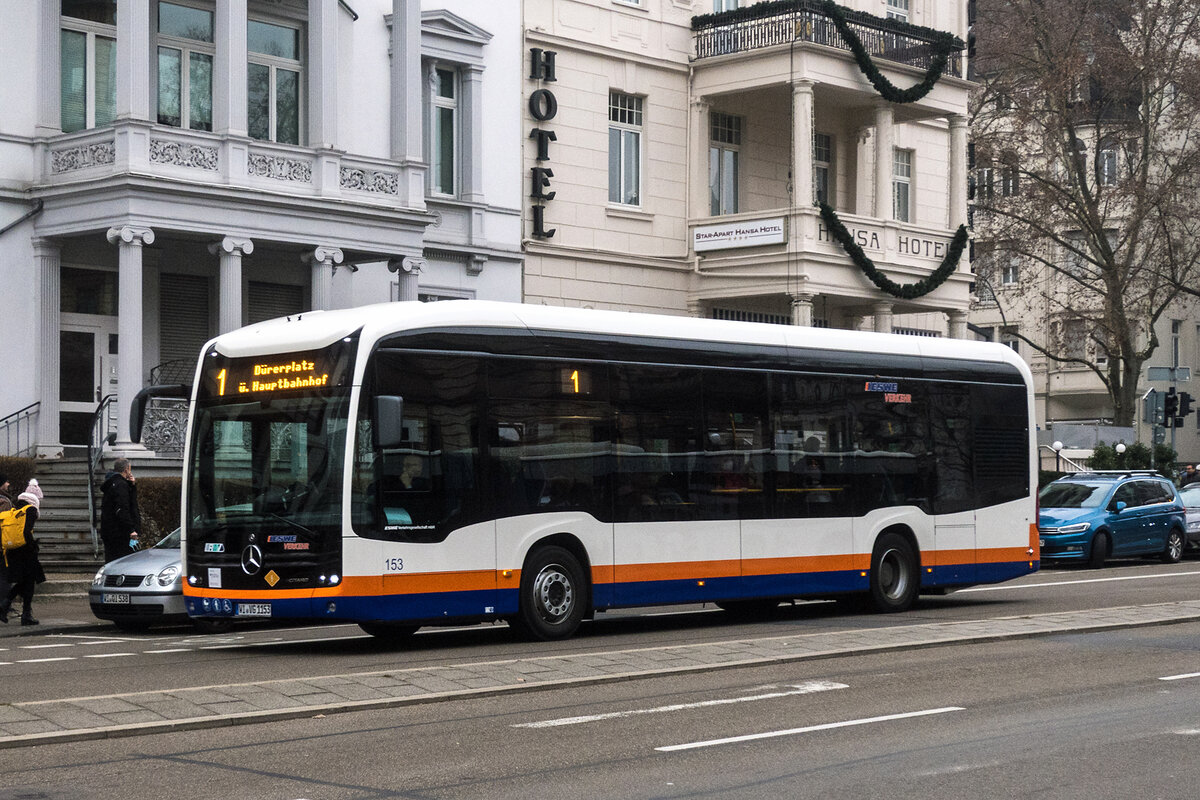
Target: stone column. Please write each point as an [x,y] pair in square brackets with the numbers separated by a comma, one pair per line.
[885,143]
[406,75]
[802,309]
[883,317]
[957,327]
[133,63]
[230,71]
[47,255]
[322,74]
[701,205]
[958,171]
[408,269]
[802,142]
[231,249]
[49,97]
[471,122]
[129,240]
[324,261]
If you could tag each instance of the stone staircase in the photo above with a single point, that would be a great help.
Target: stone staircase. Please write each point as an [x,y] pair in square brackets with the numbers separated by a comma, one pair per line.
[64,530]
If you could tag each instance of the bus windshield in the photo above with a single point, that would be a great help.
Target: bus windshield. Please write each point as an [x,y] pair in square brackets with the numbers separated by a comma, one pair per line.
[276,460]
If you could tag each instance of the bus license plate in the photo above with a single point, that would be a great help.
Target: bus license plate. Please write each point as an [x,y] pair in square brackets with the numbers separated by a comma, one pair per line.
[254,609]
[115,599]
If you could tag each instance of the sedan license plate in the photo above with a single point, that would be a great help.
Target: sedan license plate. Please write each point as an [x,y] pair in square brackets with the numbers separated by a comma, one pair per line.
[254,609]
[121,599]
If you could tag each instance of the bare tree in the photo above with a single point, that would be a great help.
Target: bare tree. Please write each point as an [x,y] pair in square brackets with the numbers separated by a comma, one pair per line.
[1088,174]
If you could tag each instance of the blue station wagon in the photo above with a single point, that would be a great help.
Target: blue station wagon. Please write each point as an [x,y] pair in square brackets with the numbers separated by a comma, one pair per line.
[1090,517]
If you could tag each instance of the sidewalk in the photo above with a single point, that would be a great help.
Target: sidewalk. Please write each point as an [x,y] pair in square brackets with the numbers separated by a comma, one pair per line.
[59,604]
[139,713]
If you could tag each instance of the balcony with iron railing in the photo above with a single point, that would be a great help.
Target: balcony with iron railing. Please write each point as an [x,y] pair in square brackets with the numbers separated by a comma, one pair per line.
[771,24]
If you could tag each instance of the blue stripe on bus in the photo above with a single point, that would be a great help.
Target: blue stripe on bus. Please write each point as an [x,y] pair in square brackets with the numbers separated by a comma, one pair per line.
[476,604]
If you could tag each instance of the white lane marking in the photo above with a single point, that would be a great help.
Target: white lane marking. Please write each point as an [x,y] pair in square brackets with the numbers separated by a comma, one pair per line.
[1072,583]
[807,687]
[811,728]
[104,641]
[171,650]
[107,655]
[43,646]
[1181,677]
[43,660]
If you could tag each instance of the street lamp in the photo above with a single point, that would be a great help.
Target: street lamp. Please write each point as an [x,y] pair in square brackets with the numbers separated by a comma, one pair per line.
[1120,454]
[1057,456]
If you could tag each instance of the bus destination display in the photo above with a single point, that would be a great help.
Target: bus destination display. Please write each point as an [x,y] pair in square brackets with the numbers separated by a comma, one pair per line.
[228,378]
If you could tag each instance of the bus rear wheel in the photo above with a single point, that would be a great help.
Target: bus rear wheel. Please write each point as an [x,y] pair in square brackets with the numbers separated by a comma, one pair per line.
[894,574]
[553,595]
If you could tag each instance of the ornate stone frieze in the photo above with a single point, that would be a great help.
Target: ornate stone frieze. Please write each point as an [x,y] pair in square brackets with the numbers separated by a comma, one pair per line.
[368,180]
[93,154]
[184,154]
[279,168]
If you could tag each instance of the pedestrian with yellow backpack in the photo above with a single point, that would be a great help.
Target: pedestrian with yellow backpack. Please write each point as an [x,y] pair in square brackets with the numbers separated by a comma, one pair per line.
[21,565]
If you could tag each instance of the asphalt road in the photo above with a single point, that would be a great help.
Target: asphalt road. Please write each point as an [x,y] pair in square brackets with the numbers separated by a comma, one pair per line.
[1074,715]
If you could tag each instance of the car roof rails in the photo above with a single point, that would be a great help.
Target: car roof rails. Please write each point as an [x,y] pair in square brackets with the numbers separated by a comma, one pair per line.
[1113,473]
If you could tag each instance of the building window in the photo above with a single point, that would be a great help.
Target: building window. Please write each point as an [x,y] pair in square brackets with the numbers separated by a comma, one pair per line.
[88,65]
[1107,166]
[445,131]
[1008,338]
[1010,273]
[1074,338]
[275,71]
[1010,185]
[185,66]
[902,185]
[725,139]
[624,149]
[985,183]
[822,159]
[897,9]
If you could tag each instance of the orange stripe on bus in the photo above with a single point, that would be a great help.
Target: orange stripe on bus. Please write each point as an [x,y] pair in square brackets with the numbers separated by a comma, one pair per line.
[787,566]
[675,571]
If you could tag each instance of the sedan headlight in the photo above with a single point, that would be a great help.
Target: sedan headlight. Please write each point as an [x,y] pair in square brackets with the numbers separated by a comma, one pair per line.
[168,575]
[99,579]
[1078,527]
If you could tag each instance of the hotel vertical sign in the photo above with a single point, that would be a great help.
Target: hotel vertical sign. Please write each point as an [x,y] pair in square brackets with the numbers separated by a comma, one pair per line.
[543,106]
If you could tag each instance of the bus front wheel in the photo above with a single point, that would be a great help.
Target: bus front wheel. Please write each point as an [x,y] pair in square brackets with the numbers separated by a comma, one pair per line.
[895,578]
[553,595]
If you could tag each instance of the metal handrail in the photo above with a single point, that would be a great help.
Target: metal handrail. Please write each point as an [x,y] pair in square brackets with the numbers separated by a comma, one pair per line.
[806,21]
[1075,466]
[96,444]
[16,419]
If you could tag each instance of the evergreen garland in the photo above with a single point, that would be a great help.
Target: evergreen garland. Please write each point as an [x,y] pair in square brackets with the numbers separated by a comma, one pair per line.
[943,45]
[909,291]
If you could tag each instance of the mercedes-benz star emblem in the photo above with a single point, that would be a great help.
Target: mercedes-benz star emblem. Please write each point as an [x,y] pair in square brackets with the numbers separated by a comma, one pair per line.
[252,560]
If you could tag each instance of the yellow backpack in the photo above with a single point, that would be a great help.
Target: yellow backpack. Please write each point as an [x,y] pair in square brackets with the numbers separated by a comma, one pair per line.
[12,529]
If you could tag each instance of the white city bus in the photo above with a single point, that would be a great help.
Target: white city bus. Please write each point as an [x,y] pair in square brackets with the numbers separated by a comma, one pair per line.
[410,464]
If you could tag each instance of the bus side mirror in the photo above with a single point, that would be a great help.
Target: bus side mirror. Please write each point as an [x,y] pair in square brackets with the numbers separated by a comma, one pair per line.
[389,422]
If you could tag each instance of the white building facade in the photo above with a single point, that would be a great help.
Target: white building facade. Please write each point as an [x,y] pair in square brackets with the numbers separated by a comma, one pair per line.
[173,170]
[675,151]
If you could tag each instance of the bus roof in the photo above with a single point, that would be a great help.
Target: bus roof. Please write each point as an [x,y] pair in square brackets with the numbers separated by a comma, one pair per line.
[315,329]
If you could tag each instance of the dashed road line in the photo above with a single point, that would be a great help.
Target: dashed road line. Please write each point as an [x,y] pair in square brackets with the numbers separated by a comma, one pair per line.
[808,687]
[810,729]
[1181,677]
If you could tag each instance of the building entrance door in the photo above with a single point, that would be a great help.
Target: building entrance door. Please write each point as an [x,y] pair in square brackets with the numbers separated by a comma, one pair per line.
[87,363]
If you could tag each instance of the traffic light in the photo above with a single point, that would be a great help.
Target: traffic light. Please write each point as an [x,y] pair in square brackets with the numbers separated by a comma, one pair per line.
[1171,404]
[1185,404]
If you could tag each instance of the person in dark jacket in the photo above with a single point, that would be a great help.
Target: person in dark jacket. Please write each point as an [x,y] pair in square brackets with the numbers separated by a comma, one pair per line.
[120,518]
[22,567]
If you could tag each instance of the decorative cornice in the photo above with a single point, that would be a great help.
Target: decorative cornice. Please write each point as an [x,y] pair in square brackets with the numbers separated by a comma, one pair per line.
[184,154]
[93,154]
[280,168]
[369,180]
